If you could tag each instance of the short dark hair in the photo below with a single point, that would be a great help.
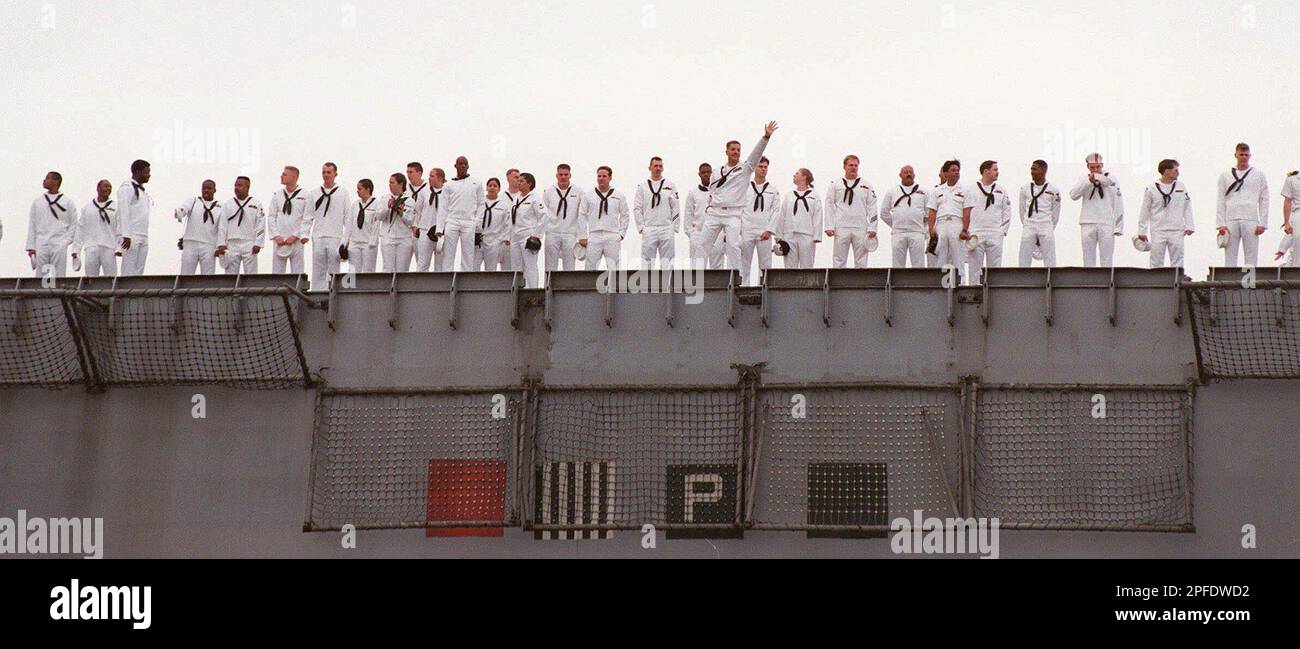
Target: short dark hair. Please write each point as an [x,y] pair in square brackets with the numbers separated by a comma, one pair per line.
[494,180]
[605,168]
[949,164]
[656,159]
[563,166]
[243,178]
[295,169]
[333,166]
[763,159]
[735,142]
[1166,165]
[58,177]
[986,165]
[1040,163]
[139,165]
[368,184]
[1242,146]
[419,168]
[528,178]
[705,165]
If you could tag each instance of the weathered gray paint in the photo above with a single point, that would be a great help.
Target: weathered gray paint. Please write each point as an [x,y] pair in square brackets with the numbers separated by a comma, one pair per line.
[235,484]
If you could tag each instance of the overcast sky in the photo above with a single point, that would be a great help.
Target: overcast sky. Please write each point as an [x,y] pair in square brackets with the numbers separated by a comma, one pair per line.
[371,85]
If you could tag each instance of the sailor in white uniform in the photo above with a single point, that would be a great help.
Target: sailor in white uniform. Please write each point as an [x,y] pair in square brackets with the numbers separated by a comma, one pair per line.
[396,241]
[362,240]
[762,208]
[1290,214]
[328,209]
[286,222]
[987,217]
[563,201]
[1101,214]
[727,194]
[98,233]
[946,207]
[697,203]
[656,208]
[494,229]
[851,215]
[241,231]
[1242,212]
[133,207]
[1167,214]
[603,221]
[528,218]
[459,217]
[903,210]
[50,224]
[199,241]
[800,222]
[1040,211]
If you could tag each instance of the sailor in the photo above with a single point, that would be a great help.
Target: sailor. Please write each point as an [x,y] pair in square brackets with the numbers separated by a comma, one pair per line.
[656,209]
[727,197]
[851,215]
[286,222]
[1290,213]
[903,210]
[563,201]
[199,241]
[98,234]
[1167,214]
[494,229]
[50,225]
[133,206]
[603,222]
[1242,213]
[762,207]
[697,202]
[241,231]
[362,239]
[528,218]
[430,222]
[424,217]
[986,218]
[459,217]
[799,223]
[328,209]
[946,207]
[1040,211]
[1101,214]
[396,243]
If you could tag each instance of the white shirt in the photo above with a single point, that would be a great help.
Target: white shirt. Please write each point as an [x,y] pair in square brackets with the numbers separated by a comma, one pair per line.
[1291,190]
[800,216]
[133,205]
[1156,216]
[527,218]
[461,203]
[859,214]
[425,215]
[327,212]
[903,209]
[564,206]
[50,221]
[659,215]
[92,230]
[697,200]
[729,184]
[947,201]
[1102,203]
[241,226]
[613,219]
[1244,201]
[762,208]
[294,222]
[200,224]
[370,211]
[494,223]
[1040,204]
[394,227]
[988,216]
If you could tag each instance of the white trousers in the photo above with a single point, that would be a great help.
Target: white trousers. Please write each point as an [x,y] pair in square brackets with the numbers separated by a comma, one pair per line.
[1241,235]
[198,258]
[951,250]
[52,259]
[133,258]
[987,254]
[361,259]
[1166,243]
[846,238]
[324,261]
[559,251]
[457,237]
[100,261]
[397,254]
[607,245]
[424,252]
[749,244]
[1045,238]
[658,244]
[1098,237]
[293,262]
[492,255]
[720,220]
[524,260]
[908,245]
[803,251]
[239,258]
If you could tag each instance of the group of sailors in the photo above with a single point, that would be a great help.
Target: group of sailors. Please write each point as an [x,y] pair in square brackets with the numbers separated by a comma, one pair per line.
[734,213]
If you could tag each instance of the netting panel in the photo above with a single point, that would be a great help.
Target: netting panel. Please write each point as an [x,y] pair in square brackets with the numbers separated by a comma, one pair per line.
[143,342]
[650,438]
[856,456]
[36,344]
[408,460]
[1043,460]
[1249,333]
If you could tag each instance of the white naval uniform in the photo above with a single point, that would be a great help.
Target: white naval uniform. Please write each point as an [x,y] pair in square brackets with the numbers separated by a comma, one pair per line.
[851,214]
[51,222]
[564,206]
[1101,218]
[603,222]
[1166,213]
[527,219]
[948,201]
[199,240]
[494,226]
[396,243]
[990,219]
[1040,211]
[461,207]
[655,208]
[98,237]
[903,210]
[727,196]
[287,218]
[1242,207]
[429,204]
[697,203]
[799,223]
[241,226]
[759,216]
[1291,190]
[362,240]
[133,206]
[327,216]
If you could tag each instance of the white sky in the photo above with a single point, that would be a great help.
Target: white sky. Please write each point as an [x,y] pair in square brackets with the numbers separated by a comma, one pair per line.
[88,87]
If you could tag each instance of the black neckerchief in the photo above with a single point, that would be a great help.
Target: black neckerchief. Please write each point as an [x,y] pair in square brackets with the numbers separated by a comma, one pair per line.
[1033,202]
[848,190]
[906,194]
[288,200]
[655,198]
[802,198]
[1238,183]
[759,203]
[240,212]
[55,203]
[103,210]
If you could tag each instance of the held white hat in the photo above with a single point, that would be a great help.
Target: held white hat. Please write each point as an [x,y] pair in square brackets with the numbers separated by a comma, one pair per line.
[438,246]
[1221,240]
[580,252]
[285,251]
[1037,252]
[972,243]
[873,243]
[1142,245]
